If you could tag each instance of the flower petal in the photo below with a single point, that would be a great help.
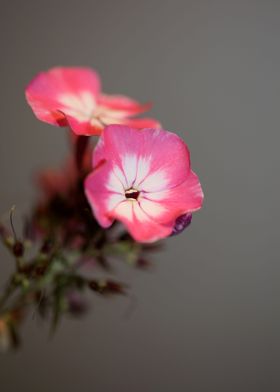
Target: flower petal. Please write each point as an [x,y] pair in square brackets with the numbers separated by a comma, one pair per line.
[139,224]
[85,128]
[186,197]
[60,91]
[102,189]
[122,103]
[142,123]
[160,153]
[154,162]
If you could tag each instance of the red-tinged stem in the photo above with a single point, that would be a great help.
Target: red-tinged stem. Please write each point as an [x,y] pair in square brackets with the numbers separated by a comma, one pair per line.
[81,145]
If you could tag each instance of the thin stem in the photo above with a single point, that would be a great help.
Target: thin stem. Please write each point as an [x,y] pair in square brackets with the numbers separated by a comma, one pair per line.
[81,145]
[12,210]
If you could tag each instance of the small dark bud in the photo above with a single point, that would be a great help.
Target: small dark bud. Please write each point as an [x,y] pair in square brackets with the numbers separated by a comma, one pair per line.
[18,249]
[39,270]
[182,223]
[114,287]
[47,247]
[93,285]
[106,287]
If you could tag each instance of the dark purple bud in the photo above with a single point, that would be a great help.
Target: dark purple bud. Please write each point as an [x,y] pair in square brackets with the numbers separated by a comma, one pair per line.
[182,223]
[39,270]
[93,285]
[18,249]
[107,287]
[47,246]
[114,288]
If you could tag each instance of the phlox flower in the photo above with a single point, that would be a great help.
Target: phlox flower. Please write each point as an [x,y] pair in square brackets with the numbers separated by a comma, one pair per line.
[71,96]
[143,179]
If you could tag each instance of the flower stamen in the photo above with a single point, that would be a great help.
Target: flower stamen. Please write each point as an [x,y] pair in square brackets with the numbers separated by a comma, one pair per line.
[132,194]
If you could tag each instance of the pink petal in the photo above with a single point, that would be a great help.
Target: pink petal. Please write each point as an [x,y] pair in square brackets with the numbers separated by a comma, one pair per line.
[139,224]
[103,190]
[160,153]
[184,198]
[123,104]
[47,93]
[85,128]
[142,123]
[103,194]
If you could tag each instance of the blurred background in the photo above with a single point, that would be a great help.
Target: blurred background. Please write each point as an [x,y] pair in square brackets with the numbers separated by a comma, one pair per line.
[207,317]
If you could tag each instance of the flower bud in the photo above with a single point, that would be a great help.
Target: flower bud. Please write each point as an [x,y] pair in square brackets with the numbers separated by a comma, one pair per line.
[18,249]
[181,223]
[106,287]
[47,246]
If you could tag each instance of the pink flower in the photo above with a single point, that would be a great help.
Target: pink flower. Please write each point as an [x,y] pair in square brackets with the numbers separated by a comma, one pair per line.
[72,96]
[142,179]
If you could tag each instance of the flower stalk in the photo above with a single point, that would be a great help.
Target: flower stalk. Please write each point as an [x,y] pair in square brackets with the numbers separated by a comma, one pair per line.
[111,203]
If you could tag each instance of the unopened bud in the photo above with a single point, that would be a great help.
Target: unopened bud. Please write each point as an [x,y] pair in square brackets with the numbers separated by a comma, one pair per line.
[18,249]
[106,287]
[182,223]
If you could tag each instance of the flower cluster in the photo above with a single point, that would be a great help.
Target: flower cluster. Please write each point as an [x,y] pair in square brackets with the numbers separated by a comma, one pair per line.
[140,176]
[73,97]
[112,198]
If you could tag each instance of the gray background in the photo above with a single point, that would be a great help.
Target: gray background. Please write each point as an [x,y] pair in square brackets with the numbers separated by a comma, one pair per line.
[207,317]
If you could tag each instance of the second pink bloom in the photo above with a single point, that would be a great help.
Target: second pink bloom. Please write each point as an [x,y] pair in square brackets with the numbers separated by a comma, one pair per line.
[71,96]
[143,179]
